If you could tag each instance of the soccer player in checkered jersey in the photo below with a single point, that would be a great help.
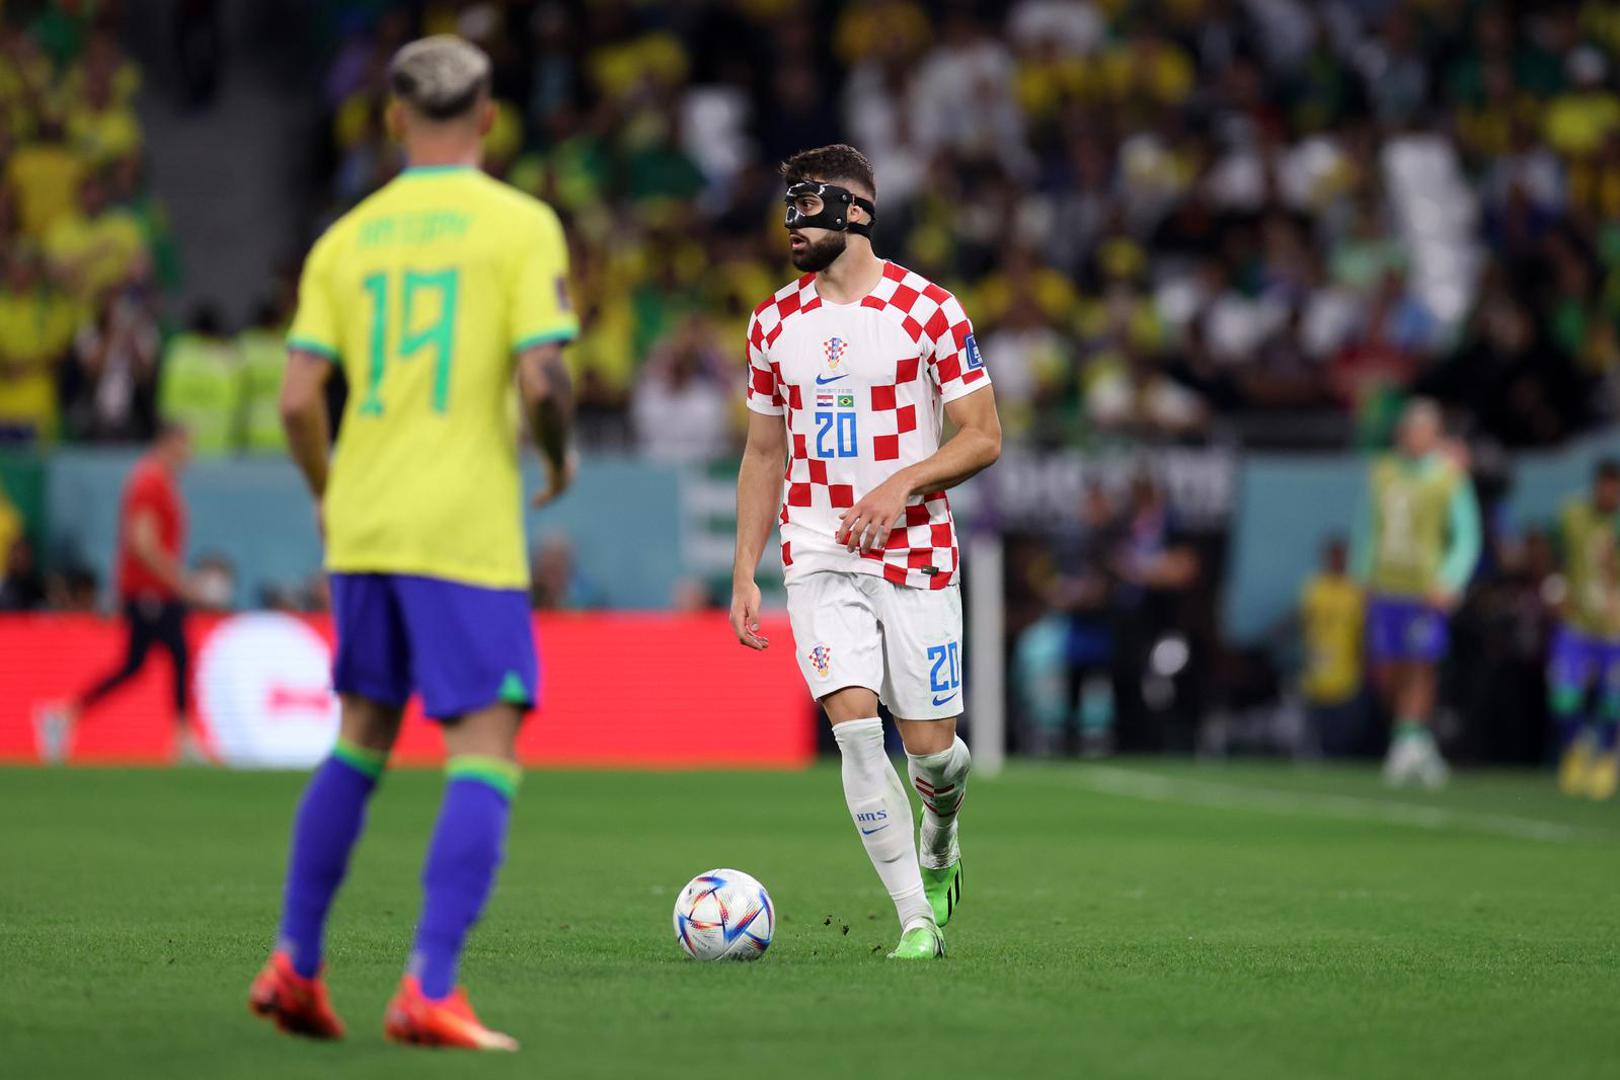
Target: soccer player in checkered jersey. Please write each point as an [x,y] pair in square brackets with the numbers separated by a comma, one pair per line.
[850,369]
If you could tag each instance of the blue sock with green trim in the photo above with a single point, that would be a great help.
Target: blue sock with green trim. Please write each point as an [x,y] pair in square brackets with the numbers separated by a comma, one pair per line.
[1566,703]
[462,859]
[329,819]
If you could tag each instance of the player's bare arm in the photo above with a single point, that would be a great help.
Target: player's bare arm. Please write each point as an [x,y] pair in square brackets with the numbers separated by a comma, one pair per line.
[304,416]
[759,499]
[547,387]
[975,447]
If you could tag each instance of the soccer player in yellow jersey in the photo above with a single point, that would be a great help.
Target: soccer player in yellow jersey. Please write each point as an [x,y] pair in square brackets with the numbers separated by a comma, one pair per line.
[444,297]
[1584,660]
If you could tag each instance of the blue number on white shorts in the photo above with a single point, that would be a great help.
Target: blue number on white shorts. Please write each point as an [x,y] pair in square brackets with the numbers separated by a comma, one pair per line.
[946,673]
[845,435]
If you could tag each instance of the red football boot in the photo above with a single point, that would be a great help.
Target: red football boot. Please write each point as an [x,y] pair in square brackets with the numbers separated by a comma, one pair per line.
[299,1006]
[419,1021]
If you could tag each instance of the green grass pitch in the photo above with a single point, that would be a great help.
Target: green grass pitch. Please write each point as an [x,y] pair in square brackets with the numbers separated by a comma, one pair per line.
[1138,920]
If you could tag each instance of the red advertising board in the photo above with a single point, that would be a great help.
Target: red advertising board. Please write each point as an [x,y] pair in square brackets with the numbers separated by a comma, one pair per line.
[652,690]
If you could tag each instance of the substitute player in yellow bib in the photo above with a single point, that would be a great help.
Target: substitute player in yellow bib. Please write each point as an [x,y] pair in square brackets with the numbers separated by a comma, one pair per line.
[1584,660]
[444,298]
[1416,547]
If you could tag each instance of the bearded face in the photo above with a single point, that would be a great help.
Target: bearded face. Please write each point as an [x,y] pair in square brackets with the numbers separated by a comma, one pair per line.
[814,256]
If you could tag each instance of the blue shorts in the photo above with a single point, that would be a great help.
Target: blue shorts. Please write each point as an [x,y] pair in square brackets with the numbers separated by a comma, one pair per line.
[1577,662]
[460,646]
[1399,628]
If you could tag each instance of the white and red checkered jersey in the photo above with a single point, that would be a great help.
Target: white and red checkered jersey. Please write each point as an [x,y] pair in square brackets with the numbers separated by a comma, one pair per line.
[862,387]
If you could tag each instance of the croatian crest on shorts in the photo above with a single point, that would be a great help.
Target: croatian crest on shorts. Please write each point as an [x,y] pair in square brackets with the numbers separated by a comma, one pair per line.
[834,348]
[821,660]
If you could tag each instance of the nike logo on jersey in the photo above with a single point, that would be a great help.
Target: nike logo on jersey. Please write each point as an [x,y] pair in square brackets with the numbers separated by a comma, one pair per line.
[940,699]
[823,382]
[869,832]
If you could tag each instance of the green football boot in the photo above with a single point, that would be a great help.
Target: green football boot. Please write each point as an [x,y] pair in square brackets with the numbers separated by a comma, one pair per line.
[944,890]
[921,941]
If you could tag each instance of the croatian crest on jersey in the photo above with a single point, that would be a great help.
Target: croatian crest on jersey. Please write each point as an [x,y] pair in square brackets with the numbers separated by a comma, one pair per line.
[834,348]
[821,660]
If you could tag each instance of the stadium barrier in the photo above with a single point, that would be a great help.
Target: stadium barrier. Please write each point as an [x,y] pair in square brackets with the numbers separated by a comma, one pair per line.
[617,690]
[1289,504]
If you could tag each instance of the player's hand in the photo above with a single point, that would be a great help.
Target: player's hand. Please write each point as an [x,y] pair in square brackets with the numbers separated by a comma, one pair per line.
[866,525]
[745,615]
[1443,599]
[558,481]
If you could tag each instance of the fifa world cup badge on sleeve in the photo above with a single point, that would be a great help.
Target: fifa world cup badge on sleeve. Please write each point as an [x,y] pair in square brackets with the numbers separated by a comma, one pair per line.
[971,347]
[821,660]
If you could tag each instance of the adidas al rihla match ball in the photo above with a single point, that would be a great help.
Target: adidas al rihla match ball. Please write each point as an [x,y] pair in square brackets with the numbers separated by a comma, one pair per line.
[724,915]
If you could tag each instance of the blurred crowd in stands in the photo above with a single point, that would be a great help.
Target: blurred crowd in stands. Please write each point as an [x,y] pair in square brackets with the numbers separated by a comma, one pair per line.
[89,351]
[84,249]
[1168,219]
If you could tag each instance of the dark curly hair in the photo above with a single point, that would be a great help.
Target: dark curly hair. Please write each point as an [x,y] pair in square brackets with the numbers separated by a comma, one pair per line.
[838,163]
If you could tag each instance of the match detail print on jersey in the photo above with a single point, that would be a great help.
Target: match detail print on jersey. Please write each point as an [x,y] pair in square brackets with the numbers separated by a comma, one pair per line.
[862,388]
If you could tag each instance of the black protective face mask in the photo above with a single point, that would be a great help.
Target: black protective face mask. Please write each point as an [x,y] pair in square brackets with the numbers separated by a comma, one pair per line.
[814,205]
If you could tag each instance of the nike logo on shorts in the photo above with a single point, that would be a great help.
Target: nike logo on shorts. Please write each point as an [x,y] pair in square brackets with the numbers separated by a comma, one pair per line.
[869,832]
[940,700]
[823,382]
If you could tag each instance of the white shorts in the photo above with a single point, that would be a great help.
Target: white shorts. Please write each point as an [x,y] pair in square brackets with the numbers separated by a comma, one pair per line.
[904,644]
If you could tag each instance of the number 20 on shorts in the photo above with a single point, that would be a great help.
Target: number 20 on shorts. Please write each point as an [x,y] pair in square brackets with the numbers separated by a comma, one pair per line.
[946,670]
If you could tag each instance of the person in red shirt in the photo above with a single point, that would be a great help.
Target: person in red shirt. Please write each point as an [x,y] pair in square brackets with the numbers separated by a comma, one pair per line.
[152,589]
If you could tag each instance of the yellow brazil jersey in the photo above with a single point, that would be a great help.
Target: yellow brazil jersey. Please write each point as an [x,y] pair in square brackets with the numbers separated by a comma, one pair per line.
[1591,603]
[425,292]
[46,178]
[1331,610]
[94,253]
[104,136]
[36,330]
[11,527]
[1425,526]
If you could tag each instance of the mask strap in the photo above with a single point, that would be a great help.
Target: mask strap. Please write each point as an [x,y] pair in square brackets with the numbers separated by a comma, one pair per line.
[863,228]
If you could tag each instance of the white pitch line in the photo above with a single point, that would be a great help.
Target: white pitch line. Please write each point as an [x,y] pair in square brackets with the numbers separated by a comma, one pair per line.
[1130,783]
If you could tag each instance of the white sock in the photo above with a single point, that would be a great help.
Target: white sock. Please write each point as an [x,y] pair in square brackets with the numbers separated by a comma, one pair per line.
[882,812]
[941,780]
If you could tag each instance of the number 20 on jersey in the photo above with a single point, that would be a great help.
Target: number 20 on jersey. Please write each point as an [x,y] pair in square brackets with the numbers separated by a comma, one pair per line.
[835,435]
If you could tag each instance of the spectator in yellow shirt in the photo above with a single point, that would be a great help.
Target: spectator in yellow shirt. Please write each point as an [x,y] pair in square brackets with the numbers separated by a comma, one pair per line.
[25,81]
[97,246]
[103,57]
[20,586]
[11,530]
[99,126]
[45,175]
[888,27]
[1578,122]
[37,325]
[1147,69]
[1331,616]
